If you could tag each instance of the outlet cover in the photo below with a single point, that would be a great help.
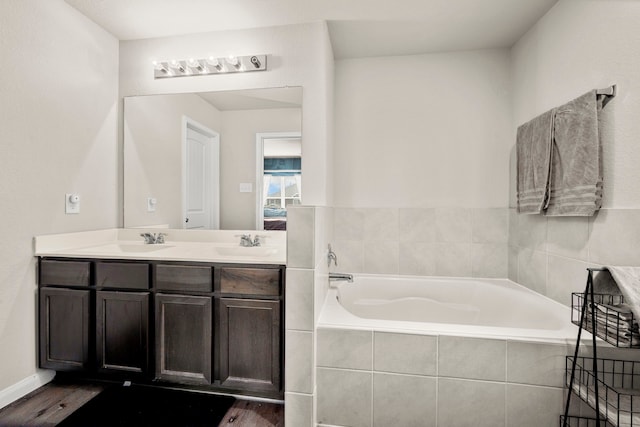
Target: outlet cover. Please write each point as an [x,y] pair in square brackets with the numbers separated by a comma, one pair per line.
[246,187]
[151,204]
[72,203]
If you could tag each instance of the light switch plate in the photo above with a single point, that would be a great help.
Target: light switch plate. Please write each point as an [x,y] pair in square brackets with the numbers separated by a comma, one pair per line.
[72,203]
[246,187]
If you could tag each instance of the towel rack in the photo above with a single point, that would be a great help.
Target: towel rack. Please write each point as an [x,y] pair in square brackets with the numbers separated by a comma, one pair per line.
[608,93]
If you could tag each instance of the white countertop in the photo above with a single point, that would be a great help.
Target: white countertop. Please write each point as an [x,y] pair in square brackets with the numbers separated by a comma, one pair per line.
[180,245]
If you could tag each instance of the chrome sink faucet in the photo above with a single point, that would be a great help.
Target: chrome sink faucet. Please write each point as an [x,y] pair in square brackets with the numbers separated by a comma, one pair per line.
[153,238]
[245,240]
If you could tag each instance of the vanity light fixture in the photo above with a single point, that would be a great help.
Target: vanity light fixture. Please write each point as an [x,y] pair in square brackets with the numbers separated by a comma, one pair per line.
[233,61]
[210,65]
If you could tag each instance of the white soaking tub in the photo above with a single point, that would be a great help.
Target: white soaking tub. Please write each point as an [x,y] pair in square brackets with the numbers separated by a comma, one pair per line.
[455,352]
[491,308]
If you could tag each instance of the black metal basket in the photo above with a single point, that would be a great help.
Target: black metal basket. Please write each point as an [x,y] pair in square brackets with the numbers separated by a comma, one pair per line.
[574,421]
[615,323]
[618,388]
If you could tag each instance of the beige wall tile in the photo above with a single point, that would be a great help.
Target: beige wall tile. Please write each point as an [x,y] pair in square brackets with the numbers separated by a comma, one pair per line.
[380,224]
[536,363]
[529,406]
[463,403]
[395,400]
[615,234]
[300,237]
[532,270]
[417,258]
[381,257]
[344,397]
[340,348]
[453,259]
[474,358]
[348,223]
[298,409]
[489,260]
[564,276]
[490,225]
[417,225]
[299,307]
[453,225]
[299,362]
[568,236]
[405,353]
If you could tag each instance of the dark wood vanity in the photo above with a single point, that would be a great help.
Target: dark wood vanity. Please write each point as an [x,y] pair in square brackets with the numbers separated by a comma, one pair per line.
[208,325]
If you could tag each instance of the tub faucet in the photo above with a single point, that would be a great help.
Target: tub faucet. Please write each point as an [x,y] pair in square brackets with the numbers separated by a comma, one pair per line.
[331,256]
[341,277]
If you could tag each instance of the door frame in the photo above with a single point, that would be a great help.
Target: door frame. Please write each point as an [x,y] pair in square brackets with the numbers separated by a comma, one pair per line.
[260,138]
[214,161]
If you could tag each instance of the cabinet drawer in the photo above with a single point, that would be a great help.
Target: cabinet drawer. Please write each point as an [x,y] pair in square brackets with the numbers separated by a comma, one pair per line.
[250,281]
[183,278]
[122,275]
[65,273]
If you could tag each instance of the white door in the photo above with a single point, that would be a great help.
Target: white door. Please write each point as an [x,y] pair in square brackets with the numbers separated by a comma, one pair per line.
[201,175]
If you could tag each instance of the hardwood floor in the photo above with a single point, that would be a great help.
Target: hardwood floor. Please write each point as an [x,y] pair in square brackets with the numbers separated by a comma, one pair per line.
[50,404]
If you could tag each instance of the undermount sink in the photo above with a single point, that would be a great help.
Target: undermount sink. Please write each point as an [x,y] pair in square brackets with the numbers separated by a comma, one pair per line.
[126,247]
[248,251]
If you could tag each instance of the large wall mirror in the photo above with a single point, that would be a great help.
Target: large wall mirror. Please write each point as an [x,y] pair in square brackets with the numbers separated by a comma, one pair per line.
[213,160]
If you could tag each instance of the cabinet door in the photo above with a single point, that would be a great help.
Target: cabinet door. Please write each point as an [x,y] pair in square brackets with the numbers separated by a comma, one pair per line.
[122,331]
[183,338]
[250,344]
[64,329]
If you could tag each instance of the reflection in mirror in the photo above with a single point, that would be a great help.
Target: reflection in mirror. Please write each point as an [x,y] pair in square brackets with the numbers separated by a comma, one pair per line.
[281,177]
[177,145]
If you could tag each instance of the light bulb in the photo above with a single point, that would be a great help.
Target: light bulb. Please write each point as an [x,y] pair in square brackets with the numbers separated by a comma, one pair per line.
[214,63]
[233,61]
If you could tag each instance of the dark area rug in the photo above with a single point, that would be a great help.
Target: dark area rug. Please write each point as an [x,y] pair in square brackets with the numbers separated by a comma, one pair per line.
[139,406]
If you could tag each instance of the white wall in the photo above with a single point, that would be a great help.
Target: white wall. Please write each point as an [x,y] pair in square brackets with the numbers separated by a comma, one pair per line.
[238,159]
[581,45]
[577,46]
[58,124]
[299,55]
[153,154]
[426,130]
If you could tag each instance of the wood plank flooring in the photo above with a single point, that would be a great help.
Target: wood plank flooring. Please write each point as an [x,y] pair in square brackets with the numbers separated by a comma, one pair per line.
[50,404]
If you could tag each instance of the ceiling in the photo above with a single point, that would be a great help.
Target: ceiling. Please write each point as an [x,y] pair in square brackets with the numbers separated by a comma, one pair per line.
[357,28]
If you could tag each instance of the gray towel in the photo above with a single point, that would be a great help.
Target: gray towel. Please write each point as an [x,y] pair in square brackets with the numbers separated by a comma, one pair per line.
[575,180]
[621,280]
[533,150]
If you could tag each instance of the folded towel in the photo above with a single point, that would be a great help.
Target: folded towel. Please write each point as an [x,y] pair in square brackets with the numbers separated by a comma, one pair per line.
[627,282]
[533,150]
[575,180]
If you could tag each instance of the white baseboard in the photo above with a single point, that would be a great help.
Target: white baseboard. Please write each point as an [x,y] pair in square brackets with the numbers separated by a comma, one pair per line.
[26,386]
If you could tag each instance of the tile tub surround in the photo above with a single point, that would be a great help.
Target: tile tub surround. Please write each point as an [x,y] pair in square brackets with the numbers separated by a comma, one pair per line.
[423,241]
[371,378]
[308,233]
[551,254]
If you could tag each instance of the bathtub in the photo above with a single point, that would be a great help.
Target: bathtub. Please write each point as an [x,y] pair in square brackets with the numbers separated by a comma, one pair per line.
[490,308]
[456,351]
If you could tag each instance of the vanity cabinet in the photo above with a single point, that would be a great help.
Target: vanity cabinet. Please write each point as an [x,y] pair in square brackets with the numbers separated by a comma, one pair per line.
[122,331]
[249,319]
[250,344]
[64,329]
[183,338]
[206,325]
